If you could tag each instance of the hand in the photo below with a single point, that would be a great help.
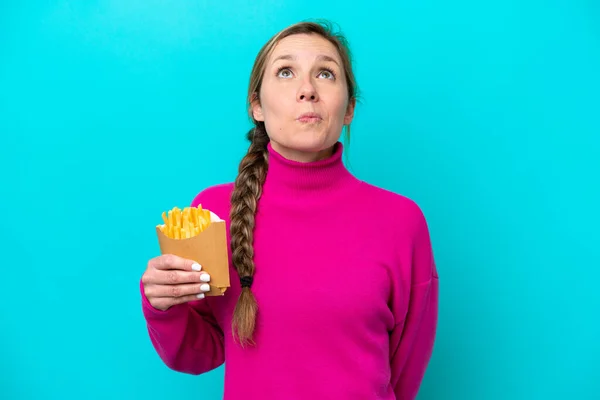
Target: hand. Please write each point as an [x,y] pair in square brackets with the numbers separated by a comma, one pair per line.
[171,280]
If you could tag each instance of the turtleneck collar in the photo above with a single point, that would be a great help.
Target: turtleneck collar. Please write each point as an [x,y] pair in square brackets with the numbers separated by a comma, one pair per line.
[307,182]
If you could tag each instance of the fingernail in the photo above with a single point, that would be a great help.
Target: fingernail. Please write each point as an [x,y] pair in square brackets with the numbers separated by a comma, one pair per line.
[205,277]
[196,267]
[200,295]
[205,287]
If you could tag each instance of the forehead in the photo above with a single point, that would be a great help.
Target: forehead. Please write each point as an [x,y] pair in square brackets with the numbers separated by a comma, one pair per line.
[304,46]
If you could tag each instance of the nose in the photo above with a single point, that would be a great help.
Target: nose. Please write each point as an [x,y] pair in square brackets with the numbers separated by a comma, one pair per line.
[307,92]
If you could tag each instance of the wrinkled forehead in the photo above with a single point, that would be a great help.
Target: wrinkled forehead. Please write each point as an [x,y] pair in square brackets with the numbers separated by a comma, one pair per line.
[304,47]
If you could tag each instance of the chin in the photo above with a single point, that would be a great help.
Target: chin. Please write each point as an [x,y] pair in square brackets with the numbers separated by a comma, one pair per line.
[310,144]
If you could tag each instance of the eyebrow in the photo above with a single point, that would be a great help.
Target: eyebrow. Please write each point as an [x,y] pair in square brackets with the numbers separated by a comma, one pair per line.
[321,57]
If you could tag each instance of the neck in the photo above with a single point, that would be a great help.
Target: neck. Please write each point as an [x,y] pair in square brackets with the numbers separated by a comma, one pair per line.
[298,183]
[301,156]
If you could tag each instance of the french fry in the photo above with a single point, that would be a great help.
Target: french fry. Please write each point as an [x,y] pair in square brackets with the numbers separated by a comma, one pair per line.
[180,234]
[184,223]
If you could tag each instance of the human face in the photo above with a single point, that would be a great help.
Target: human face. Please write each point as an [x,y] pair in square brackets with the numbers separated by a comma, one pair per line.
[303,100]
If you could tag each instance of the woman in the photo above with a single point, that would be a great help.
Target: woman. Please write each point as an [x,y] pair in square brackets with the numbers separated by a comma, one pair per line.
[338,290]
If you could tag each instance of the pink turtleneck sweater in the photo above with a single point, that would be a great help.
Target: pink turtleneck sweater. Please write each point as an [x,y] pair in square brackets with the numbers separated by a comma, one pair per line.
[346,286]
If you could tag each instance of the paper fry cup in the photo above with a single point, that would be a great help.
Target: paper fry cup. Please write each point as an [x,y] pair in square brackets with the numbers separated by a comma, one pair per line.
[208,248]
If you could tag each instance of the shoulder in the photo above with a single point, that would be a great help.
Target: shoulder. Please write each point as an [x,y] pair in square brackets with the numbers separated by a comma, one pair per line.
[399,209]
[215,198]
[405,222]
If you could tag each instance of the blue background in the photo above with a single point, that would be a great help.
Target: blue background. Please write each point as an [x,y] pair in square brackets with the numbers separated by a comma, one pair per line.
[485,113]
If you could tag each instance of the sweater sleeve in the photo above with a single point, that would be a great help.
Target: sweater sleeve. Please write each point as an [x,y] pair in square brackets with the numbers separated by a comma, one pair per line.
[412,339]
[186,337]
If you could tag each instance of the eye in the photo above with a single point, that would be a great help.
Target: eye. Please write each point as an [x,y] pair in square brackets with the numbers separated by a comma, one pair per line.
[284,72]
[327,74]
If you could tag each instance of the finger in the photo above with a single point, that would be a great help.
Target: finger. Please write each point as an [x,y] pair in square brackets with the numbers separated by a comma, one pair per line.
[175,277]
[171,261]
[163,303]
[176,290]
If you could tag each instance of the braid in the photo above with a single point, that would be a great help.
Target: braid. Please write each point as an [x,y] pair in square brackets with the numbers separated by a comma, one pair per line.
[244,199]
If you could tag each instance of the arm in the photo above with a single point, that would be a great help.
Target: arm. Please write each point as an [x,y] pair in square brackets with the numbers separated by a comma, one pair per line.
[186,336]
[412,338]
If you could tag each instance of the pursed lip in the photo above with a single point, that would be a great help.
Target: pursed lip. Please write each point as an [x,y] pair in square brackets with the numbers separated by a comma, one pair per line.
[310,116]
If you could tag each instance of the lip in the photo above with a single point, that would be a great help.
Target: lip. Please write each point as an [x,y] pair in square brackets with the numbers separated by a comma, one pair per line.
[310,117]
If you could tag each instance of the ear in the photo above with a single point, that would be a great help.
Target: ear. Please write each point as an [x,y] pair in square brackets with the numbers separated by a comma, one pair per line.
[350,111]
[256,109]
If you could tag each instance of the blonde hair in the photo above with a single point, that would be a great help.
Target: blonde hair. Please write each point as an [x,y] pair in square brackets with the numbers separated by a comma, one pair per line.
[253,168]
